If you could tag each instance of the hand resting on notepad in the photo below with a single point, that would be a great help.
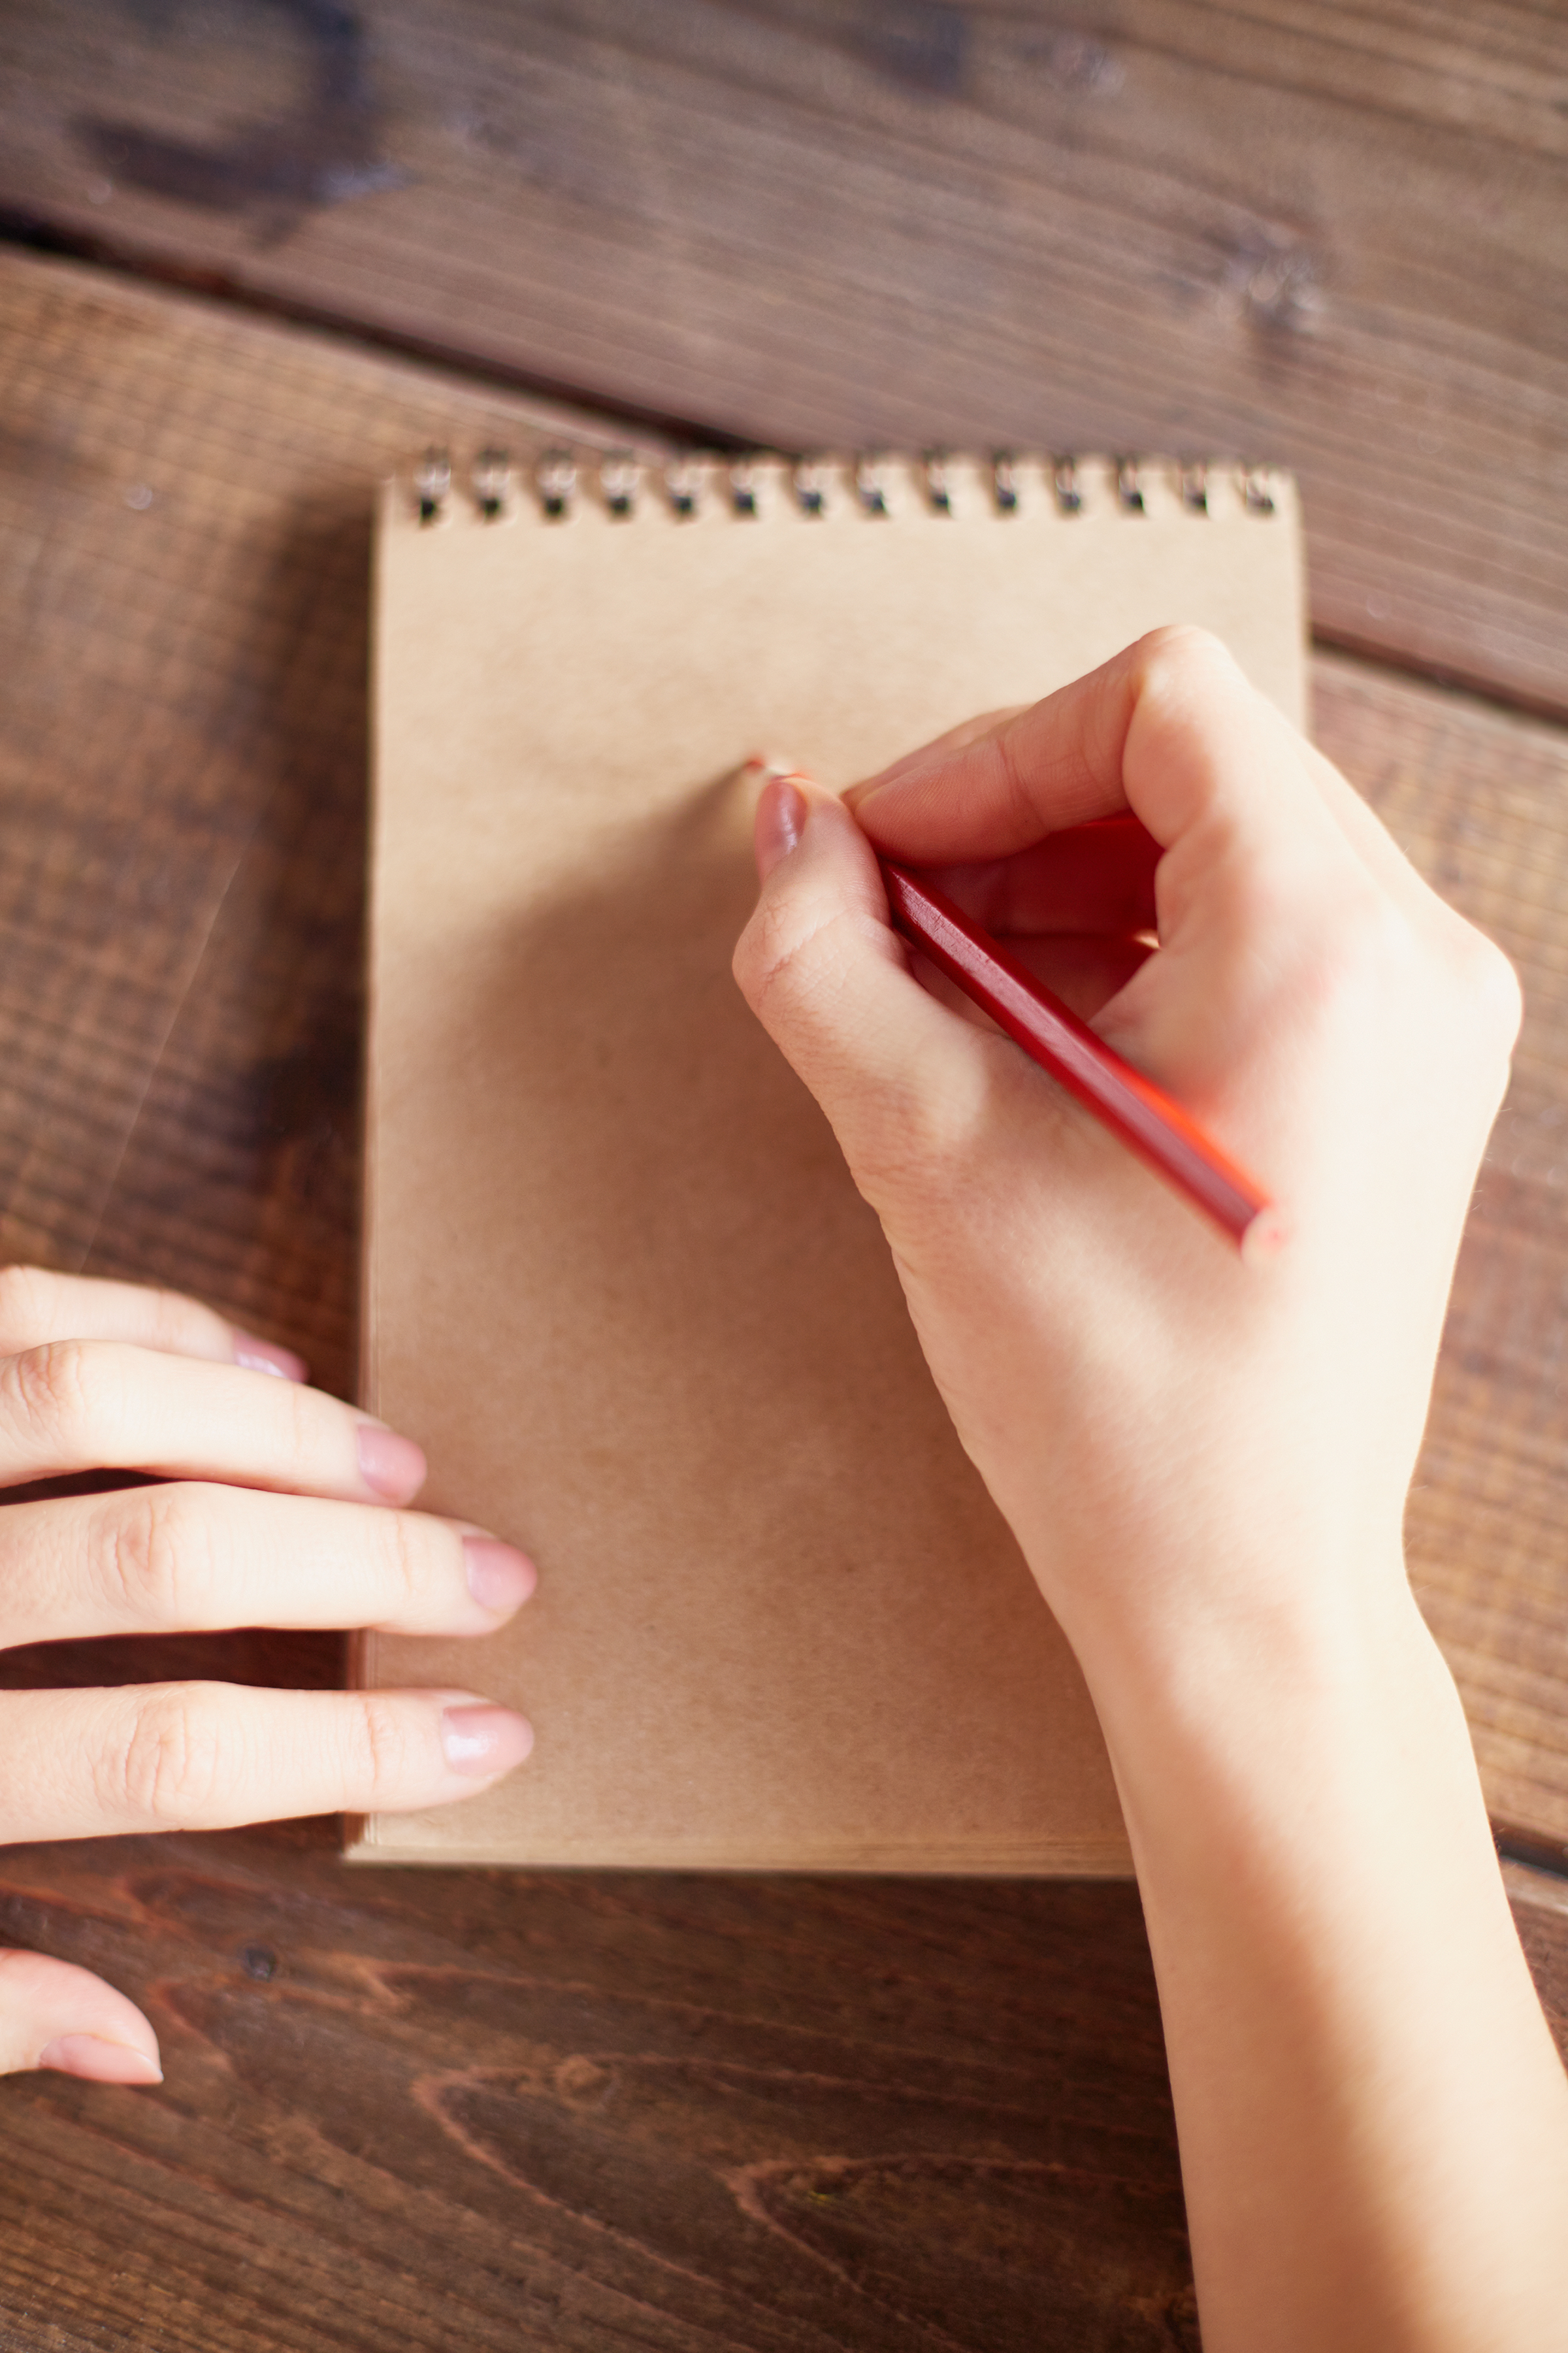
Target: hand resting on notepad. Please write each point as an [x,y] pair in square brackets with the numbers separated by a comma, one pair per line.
[277,1511]
[1206,1461]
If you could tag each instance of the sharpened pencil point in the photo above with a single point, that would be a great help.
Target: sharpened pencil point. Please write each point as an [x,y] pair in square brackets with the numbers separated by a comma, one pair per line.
[760,769]
[1265,1238]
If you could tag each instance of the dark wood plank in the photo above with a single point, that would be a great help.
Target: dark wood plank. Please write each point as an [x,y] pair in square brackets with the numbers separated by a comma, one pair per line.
[1326,235]
[593,2111]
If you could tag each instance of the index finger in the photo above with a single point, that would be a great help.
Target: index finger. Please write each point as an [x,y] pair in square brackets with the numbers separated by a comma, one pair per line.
[1169,731]
[38,1305]
[95,1405]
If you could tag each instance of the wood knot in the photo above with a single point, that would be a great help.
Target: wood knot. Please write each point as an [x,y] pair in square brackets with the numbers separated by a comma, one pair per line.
[582,2083]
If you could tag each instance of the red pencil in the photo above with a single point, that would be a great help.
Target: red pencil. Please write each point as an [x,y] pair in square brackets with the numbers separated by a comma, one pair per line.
[1131,1106]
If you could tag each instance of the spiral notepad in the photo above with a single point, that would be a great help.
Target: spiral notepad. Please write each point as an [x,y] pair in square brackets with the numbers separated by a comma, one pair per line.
[617,1278]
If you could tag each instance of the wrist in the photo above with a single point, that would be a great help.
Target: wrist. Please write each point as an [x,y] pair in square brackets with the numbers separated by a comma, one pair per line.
[1205,1583]
[1368,2102]
[1179,1657]
[1294,1729]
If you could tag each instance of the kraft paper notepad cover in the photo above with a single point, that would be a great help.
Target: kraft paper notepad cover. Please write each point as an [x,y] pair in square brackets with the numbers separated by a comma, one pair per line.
[617,1280]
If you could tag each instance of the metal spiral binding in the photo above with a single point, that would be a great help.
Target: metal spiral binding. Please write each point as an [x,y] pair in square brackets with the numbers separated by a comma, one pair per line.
[683,480]
[556,475]
[811,480]
[492,483]
[432,484]
[815,483]
[871,485]
[618,475]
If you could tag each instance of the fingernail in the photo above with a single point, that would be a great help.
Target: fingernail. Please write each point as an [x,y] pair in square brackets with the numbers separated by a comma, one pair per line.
[499,1577]
[781,820]
[483,1741]
[265,1357]
[101,2061]
[392,1466]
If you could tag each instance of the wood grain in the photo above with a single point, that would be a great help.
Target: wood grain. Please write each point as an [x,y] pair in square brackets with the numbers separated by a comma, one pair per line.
[594,2111]
[602,2110]
[586,2112]
[1300,231]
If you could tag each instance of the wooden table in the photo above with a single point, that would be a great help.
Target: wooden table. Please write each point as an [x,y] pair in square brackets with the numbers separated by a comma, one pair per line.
[595,2111]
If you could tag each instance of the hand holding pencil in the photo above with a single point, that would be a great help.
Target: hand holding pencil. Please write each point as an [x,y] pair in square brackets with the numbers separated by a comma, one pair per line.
[1324,1020]
[1204,1459]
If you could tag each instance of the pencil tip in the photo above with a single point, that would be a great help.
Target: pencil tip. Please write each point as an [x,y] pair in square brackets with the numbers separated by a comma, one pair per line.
[1266,1237]
[762,768]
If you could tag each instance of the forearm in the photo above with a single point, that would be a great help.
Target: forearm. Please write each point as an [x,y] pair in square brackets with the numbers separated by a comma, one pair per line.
[1374,2120]
[1373,2123]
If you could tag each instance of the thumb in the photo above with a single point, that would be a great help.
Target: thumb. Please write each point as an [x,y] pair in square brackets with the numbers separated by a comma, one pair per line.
[902,1078]
[53,2014]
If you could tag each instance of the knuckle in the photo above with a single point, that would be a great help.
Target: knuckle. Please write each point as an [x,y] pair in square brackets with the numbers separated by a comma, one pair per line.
[1350,947]
[1367,964]
[28,1294]
[1492,988]
[379,1747]
[1181,641]
[1174,655]
[301,1411]
[800,965]
[404,1563]
[167,1767]
[1333,956]
[172,1320]
[1372,978]
[763,948]
[1367,942]
[1169,684]
[161,1564]
[53,1389]
[749,962]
